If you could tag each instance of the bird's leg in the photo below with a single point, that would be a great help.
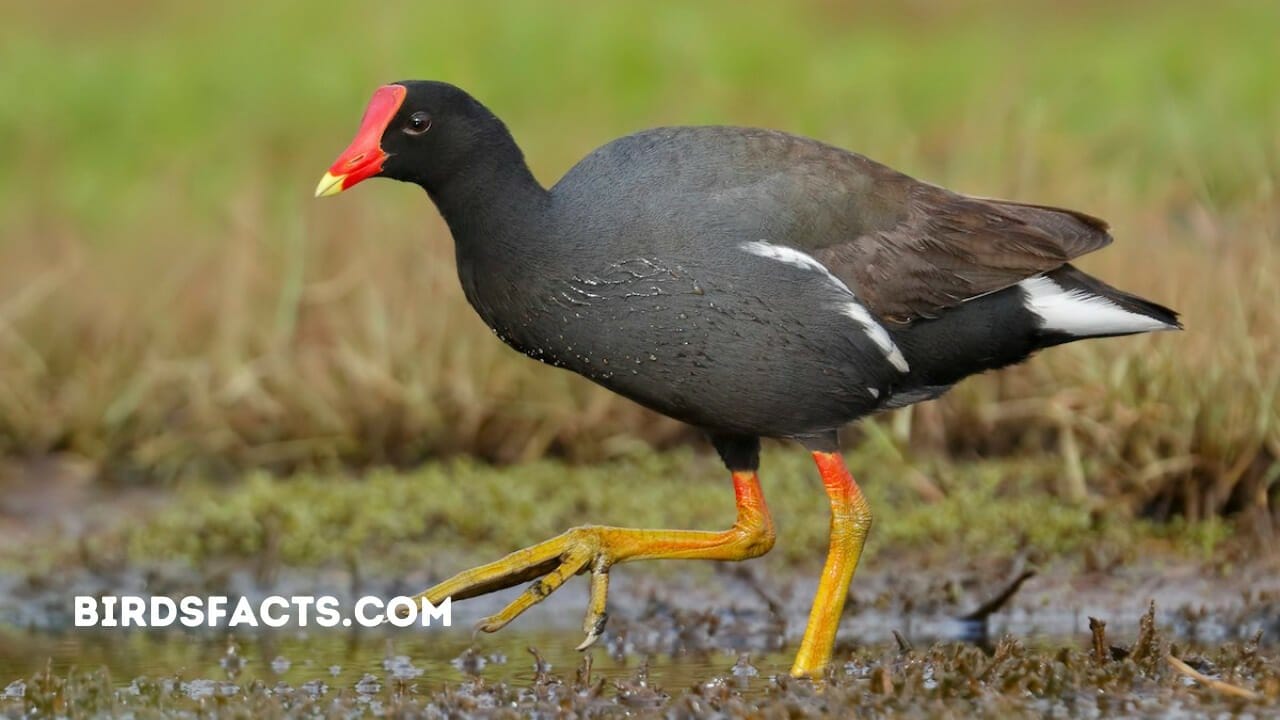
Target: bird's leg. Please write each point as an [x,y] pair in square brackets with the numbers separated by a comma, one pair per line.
[595,549]
[850,521]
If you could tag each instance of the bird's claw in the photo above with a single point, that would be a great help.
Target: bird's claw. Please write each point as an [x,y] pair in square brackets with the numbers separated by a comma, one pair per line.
[593,624]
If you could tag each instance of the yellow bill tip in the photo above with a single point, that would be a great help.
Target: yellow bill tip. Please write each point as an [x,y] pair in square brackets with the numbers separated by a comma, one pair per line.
[330,184]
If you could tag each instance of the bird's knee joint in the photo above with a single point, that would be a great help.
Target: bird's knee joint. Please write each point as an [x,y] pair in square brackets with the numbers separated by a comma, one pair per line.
[757,539]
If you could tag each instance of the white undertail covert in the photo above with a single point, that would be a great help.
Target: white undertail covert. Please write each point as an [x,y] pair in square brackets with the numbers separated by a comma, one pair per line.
[1080,313]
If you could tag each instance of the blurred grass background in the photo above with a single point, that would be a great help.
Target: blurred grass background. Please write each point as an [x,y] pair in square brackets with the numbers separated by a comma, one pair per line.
[173,302]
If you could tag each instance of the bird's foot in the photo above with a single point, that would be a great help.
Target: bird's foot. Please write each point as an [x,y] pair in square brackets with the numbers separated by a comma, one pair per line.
[596,549]
[552,562]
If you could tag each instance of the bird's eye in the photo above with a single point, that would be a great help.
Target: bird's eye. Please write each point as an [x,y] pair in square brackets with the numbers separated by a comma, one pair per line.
[419,123]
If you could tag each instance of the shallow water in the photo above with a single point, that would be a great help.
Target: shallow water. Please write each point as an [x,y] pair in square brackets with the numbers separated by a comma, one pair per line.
[661,661]
[682,647]
[341,658]
[678,647]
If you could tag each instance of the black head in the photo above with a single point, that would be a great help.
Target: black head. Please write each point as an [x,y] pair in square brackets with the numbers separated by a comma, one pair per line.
[421,132]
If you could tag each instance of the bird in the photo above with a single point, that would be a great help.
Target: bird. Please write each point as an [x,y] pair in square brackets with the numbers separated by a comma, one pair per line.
[748,282]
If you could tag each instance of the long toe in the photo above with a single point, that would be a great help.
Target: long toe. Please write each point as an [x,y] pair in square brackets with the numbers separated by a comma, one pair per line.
[574,561]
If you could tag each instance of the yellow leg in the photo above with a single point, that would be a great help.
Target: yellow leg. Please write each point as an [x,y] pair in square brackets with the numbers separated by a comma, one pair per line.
[850,521]
[596,549]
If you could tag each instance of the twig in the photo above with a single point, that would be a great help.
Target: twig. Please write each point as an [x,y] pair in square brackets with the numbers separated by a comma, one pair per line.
[994,604]
[1144,647]
[1099,630]
[540,666]
[584,672]
[904,645]
[1223,687]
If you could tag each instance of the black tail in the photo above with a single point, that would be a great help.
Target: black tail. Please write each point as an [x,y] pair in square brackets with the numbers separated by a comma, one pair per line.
[1005,327]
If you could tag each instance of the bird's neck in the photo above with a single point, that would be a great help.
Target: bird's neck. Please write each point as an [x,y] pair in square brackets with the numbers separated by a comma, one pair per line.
[497,213]
[494,202]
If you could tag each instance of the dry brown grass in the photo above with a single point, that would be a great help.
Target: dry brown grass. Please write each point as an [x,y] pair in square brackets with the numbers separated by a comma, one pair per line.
[171,300]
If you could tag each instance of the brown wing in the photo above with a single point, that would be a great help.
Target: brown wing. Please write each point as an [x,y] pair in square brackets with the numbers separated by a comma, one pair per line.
[945,248]
[907,248]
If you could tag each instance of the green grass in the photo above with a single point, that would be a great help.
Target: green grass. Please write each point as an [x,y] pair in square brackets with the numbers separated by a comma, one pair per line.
[173,301]
[444,516]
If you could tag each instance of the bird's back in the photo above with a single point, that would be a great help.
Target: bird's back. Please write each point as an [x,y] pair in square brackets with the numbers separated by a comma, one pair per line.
[704,178]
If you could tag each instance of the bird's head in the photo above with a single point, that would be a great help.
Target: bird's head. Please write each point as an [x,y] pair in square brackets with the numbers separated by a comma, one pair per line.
[416,131]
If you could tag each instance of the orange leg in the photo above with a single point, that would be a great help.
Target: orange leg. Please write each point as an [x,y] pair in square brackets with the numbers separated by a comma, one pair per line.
[850,522]
[596,549]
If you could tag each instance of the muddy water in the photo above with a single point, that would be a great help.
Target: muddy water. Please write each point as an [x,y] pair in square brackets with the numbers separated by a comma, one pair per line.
[684,643]
[656,661]
[677,656]
[681,646]
[342,658]
[678,647]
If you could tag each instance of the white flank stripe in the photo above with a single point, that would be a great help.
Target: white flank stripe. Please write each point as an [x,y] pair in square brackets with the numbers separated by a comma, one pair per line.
[878,335]
[792,257]
[853,309]
[1080,313]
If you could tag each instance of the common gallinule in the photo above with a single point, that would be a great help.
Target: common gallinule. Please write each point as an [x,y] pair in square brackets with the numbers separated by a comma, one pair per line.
[748,282]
